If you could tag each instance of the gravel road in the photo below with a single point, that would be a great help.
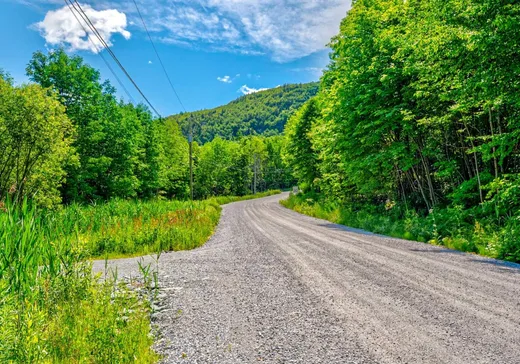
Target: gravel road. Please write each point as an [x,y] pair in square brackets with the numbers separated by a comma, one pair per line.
[274,286]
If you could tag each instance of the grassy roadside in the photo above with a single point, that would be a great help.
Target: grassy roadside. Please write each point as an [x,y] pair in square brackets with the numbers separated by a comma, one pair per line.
[53,310]
[447,227]
[121,228]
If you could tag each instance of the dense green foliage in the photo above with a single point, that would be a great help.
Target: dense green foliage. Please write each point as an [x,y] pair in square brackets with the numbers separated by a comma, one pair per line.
[52,309]
[260,113]
[419,112]
[299,152]
[35,139]
[240,167]
[118,149]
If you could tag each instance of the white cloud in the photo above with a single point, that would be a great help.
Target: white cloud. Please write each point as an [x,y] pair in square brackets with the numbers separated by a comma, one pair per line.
[60,27]
[228,79]
[225,79]
[284,30]
[249,90]
[315,71]
[307,69]
[150,62]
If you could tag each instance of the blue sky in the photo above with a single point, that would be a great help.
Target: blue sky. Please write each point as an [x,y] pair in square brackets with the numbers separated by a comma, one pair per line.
[213,50]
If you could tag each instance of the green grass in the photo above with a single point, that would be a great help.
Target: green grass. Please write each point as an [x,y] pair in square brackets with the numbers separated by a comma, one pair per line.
[52,309]
[130,228]
[449,227]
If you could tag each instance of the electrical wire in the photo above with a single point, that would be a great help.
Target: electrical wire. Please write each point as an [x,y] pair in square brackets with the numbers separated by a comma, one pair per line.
[100,54]
[92,27]
[159,57]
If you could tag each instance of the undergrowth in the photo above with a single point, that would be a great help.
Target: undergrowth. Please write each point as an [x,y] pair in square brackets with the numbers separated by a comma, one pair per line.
[122,228]
[128,228]
[453,228]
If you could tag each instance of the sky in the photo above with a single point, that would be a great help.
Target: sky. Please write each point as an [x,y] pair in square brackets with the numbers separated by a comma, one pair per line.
[213,50]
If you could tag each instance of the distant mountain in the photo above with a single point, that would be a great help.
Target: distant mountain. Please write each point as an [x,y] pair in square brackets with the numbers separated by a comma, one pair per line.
[261,113]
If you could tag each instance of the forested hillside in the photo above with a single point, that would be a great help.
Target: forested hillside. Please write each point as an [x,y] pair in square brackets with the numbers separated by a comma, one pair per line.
[260,113]
[417,121]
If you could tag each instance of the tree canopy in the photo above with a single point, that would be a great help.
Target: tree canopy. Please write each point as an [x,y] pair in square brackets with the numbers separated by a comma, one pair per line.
[67,138]
[419,105]
[35,143]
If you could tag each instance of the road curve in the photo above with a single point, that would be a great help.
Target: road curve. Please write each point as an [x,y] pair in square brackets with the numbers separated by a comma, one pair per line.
[275,286]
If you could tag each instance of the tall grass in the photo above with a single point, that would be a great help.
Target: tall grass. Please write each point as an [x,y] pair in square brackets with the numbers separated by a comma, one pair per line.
[51,307]
[123,228]
[126,228]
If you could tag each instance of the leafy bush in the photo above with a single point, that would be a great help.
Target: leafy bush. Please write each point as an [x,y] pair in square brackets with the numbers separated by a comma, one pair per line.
[35,143]
[509,248]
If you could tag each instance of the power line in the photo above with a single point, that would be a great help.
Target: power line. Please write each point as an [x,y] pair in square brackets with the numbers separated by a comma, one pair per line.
[190,136]
[84,16]
[100,54]
[92,27]
[159,57]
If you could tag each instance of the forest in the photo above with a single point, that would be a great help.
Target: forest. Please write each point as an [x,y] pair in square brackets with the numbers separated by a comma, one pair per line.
[66,138]
[263,113]
[415,129]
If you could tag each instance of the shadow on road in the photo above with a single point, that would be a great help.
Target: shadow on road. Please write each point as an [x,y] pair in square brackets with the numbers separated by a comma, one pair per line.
[502,266]
[437,251]
[506,267]
[348,229]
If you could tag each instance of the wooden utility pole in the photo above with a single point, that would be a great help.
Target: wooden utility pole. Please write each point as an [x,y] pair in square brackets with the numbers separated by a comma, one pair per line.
[190,140]
[254,181]
[255,170]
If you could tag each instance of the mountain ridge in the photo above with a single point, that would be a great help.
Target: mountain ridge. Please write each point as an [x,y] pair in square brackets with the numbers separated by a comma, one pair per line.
[260,113]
